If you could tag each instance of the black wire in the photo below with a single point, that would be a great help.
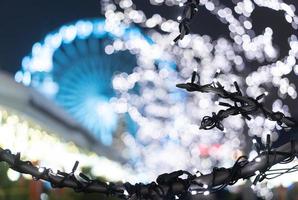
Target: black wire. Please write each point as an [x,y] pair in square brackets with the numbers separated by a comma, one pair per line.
[246,107]
[281,173]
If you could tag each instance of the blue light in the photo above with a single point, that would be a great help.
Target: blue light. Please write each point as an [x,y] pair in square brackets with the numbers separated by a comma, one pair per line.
[36,48]
[132,33]
[84,77]
[99,28]
[166,64]
[78,74]
[84,29]
[27,78]
[53,40]
[68,33]
[26,63]
[18,77]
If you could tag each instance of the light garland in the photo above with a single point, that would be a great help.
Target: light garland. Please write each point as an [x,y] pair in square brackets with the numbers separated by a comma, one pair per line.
[222,54]
[173,185]
[242,105]
[167,118]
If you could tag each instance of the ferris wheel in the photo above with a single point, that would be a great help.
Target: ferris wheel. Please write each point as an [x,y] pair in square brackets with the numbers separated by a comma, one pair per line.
[75,66]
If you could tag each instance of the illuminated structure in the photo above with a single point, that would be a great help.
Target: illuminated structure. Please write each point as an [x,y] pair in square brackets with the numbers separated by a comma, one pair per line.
[168,119]
[88,68]
[75,66]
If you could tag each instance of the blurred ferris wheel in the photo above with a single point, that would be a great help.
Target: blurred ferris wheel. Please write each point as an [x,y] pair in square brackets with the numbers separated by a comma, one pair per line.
[75,66]
[113,79]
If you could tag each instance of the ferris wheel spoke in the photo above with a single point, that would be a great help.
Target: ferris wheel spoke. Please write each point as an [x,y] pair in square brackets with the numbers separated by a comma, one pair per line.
[71,51]
[83,72]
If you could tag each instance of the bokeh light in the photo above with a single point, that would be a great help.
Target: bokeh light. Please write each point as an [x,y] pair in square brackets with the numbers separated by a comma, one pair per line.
[166,134]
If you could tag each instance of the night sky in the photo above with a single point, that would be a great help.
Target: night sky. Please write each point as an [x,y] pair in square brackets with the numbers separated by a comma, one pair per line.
[24,22]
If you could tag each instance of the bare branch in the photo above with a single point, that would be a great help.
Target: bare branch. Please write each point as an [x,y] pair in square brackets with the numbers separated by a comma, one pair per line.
[243,105]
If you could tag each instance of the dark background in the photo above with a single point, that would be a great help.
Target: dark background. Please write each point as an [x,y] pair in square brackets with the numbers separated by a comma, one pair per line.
[24,22]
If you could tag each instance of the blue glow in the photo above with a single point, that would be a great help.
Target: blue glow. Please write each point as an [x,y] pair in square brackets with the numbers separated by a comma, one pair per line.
[53,40]
[27,78]
[68,33]
[84,29]
[71,67]
[85,86]
[18,77]
[132,33]
[99,28]
[26,63]
[36,48]
[166,64]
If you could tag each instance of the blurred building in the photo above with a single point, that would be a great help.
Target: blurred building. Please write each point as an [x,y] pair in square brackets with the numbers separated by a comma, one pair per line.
[45,134]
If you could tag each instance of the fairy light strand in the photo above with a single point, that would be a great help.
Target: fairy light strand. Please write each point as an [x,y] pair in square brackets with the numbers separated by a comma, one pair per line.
[168,185]
[243,105]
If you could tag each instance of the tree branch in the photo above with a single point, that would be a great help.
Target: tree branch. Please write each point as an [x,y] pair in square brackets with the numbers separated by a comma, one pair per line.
[60,179]
[167,186]
[182,184]
[243,105]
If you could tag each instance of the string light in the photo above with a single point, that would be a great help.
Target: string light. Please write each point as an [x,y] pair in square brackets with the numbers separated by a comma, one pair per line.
[177,182]
[193,192]
[229,57]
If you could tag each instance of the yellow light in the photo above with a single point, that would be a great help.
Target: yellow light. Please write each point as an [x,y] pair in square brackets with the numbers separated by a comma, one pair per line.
[36,144]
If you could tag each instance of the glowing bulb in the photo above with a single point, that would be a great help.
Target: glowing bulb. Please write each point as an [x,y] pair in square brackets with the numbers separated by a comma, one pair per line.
[41,169]
[13,175]
[198,174]
[194,192]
